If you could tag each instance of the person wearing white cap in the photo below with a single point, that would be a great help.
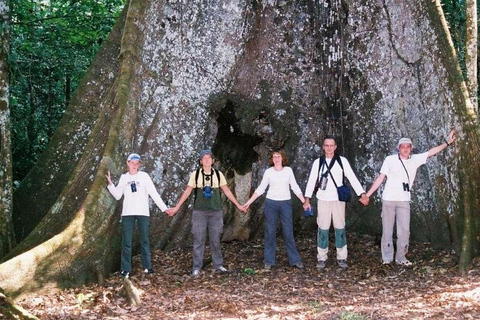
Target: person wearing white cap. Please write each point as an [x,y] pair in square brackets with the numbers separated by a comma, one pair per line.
[206,182]
[135,186]
[400,170]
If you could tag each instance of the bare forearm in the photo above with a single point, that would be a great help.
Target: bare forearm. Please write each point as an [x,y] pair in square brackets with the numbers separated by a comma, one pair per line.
[252,198]
[376,184]
[448,141]
[230,195]
[184,197]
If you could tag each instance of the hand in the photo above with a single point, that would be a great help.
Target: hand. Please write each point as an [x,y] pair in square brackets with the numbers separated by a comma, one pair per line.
[243,208]
[364,199]
[452,136]
[306,205]
[109,179]
[171,211]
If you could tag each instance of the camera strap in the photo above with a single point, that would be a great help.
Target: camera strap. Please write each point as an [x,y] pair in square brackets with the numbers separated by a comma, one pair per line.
[408,177]
[197,174]
[336,158]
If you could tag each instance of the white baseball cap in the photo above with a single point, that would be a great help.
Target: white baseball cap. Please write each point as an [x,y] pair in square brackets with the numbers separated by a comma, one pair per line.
[134,157]
[403,141]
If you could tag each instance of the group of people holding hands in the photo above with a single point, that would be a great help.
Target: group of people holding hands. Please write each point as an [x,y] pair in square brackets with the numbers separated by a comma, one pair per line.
[326,181]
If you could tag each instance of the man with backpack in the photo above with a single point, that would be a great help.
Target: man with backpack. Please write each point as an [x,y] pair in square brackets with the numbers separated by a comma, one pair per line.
[206,182]
[326,180]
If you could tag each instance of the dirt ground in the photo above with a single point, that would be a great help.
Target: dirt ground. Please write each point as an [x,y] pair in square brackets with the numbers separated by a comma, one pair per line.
[431,289]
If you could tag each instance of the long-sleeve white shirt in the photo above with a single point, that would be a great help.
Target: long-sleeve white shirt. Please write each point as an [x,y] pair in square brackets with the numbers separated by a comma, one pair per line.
[330,192]
[136,203]
[279,184]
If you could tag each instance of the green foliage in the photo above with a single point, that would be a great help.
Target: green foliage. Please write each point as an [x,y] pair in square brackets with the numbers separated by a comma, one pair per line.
[52,45]
[456,14]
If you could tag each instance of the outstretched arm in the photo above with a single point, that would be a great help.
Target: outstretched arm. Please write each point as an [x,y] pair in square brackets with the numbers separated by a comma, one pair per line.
[376,184]
[451,139]
[251,200]
[232,198]
[186,193]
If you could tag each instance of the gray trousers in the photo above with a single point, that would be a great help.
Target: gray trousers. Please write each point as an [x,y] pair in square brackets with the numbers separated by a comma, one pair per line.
[399,211]
[201,221]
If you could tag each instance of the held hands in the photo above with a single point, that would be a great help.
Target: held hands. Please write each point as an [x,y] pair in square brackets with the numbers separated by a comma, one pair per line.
[364,199]
[171,211]
[307,206]
[243,208]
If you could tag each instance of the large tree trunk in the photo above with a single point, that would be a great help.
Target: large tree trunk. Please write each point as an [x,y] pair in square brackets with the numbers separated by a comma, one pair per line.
[245,77]
[6,202]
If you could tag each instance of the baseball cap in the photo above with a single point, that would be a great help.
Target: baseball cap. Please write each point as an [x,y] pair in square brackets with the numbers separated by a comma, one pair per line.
[204,152]
[403,141]
[134,157]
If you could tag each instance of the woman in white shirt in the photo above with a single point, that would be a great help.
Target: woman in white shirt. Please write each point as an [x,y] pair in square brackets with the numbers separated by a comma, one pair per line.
[135,186]
[279,179]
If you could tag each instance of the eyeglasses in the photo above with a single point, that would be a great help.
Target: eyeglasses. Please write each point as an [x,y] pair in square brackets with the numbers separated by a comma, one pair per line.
[133,186]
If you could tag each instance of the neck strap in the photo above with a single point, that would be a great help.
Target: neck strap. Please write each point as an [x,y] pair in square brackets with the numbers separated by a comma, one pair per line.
[408,177]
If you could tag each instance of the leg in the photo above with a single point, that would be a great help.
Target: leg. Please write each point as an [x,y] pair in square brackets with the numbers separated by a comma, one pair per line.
[270,231]
[403,229]
[324,220]
[199,231]
[338,214]
[388,221]
[286,220]
[127,234]
[215,229]
[143,226]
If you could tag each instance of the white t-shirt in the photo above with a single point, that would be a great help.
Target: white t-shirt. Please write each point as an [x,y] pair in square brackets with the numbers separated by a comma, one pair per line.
[396,175]
[279,184]
[136,203]
[330,193]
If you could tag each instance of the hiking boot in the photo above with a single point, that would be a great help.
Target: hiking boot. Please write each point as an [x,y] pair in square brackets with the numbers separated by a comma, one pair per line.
[125,274]
[321,265]
[148,271]
[221,269]
[343,264]
[267,267]
[405,263]
[195,273]
[299,266]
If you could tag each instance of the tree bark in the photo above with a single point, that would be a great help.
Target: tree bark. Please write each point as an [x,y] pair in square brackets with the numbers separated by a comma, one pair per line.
[6,191]
[10,310]
[244,78]
[472,53]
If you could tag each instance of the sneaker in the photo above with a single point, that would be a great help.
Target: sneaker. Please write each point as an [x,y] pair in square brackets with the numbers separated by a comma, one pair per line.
[148,271]
[343,264]
[195,273]
[386,263]
[405,263]
[299,266]
[267,267]
[221,269]
[124,274]
[321,265]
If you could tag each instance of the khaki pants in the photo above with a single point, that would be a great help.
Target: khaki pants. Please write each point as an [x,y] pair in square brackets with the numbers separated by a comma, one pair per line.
[398,211]
[328,211]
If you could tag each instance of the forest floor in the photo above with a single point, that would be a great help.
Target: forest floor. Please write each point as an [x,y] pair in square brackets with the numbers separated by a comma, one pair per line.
[431,289]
